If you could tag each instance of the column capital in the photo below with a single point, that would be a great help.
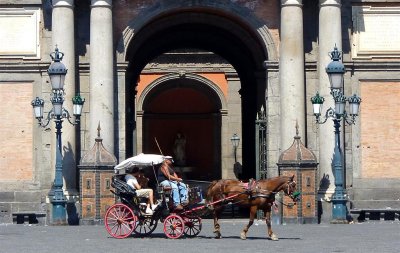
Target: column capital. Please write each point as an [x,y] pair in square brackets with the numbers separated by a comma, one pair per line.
[285,3]
[323,3]
[101,3]
[63,3]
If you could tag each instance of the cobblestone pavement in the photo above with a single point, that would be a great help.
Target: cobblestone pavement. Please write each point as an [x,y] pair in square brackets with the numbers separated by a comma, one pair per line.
[379,236]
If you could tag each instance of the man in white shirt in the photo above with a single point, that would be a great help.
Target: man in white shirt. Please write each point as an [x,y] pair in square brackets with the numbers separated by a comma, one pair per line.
[131,180]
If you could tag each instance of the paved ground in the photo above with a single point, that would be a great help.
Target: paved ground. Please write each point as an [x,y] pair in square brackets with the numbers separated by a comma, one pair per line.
[380,236]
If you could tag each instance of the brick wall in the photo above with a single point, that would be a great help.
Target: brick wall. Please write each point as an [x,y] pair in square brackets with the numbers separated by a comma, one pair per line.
[16,132]
[380,129]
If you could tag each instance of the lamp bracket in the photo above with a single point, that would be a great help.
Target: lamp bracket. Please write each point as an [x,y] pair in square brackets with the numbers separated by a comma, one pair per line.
[330,113]
[65,115]
[48,118]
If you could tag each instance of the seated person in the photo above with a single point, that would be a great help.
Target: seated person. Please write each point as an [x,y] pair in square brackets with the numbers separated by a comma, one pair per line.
[131,179]
[168,177]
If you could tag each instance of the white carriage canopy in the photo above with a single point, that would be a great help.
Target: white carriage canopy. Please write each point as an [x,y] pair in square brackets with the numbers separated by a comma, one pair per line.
[141,161]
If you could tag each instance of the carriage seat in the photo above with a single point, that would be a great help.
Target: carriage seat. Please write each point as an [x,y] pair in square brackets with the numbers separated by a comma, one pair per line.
[121,186]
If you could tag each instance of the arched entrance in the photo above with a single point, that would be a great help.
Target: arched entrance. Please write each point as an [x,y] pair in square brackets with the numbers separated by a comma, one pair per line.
[189,105]
[241,43]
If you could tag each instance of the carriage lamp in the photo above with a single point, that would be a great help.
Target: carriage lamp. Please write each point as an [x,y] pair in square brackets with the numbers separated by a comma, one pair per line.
[235,139]
[335,71]
[57,73]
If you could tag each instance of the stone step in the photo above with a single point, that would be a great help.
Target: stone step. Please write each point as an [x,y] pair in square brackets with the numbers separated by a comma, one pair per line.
[375,204]
[362,210]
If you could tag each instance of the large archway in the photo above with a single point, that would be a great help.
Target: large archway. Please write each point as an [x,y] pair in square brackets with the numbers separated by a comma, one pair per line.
[233,40]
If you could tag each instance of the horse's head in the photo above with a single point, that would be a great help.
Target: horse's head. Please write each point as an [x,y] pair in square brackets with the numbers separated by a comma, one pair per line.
[289,188]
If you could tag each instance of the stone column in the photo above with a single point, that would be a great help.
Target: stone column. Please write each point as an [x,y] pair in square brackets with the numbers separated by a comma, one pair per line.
[101,72]
[63,37]
[291,72]
[330,33]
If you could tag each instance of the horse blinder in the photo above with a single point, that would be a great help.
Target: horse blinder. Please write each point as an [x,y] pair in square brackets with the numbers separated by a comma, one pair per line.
[294,195]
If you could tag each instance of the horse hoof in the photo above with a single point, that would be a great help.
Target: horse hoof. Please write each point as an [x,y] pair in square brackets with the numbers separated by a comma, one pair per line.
[243,236]
[274,237]
[218,236]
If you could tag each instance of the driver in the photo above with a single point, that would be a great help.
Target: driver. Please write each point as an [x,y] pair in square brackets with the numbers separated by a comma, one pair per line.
[168,177]
[131,179]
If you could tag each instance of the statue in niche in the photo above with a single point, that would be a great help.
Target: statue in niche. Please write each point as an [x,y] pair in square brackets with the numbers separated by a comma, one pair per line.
[180,149]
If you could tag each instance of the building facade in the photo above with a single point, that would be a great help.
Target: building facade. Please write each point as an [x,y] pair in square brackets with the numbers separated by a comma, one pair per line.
[150,70]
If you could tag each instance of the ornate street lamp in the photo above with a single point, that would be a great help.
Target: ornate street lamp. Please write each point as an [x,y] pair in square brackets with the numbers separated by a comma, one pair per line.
[57,72]
[335,71]
[235,139]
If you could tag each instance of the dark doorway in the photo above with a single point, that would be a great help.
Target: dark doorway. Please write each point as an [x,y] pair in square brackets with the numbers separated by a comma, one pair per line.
[191,109]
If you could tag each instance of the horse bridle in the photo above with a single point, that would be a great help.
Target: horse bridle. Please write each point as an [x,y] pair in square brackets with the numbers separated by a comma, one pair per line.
[290,190]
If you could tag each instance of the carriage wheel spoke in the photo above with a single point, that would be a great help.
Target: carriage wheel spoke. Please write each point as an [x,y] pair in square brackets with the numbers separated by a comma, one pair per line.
[174,226]
[192,226]
[145,226]
[118,221]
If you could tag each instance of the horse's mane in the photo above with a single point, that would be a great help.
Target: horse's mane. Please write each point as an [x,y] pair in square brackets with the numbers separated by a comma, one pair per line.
[275,182]
[283,177]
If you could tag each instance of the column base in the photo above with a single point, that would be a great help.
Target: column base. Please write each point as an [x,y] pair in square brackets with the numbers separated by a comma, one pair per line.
[59,215]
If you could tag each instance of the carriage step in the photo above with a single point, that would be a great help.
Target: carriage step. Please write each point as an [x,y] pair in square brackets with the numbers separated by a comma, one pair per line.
[375,214]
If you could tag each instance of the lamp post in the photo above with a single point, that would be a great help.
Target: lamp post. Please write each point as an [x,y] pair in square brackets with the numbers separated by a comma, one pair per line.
[235,139]
[57,72]
[335,71]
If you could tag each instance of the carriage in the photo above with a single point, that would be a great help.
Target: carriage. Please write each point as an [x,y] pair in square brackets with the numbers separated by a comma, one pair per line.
[128,216]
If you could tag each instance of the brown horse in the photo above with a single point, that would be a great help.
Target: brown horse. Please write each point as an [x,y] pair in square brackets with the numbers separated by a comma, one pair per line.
[258,195]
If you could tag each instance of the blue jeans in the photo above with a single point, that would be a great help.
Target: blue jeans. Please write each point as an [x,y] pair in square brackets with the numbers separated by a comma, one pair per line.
[179,191]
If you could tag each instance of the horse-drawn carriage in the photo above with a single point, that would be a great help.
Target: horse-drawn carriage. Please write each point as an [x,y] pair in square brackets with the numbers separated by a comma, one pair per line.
[128,215]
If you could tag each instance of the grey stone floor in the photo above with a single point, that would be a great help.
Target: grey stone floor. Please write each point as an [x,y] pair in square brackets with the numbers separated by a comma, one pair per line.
[379,236]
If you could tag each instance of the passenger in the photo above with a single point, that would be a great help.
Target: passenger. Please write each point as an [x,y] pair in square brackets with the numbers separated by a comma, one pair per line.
[131,179]
[168,177]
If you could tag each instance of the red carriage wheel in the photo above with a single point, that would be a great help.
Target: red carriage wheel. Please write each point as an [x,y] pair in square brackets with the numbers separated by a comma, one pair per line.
[174,226]
[120,221]
[192,226]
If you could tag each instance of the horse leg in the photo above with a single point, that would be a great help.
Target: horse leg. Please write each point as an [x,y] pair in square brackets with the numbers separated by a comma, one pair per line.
[217,228]
[268,221]
[253,211]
